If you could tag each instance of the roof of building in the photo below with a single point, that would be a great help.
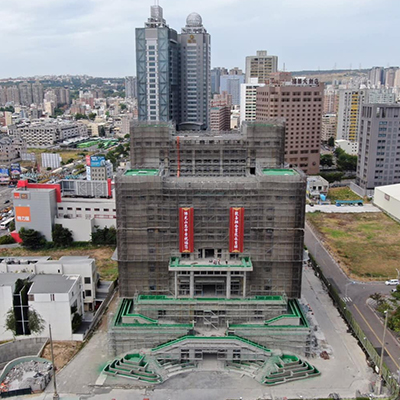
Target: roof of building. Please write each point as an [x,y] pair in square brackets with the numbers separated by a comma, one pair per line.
[52,283]
[391,190]
[279,172]
[194,20]
[144,172]
[9,279]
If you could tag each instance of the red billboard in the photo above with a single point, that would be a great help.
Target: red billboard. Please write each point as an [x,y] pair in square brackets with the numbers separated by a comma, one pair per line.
[186,240]
[236,230]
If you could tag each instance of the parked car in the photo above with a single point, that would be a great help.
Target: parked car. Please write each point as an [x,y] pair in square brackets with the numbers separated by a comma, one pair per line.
[392,282]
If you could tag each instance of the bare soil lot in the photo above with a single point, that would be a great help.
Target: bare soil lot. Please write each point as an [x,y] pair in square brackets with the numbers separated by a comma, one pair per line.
[367,245]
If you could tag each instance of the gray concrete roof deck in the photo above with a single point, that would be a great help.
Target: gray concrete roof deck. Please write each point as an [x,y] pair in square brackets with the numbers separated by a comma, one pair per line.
[9,279]
[52,283]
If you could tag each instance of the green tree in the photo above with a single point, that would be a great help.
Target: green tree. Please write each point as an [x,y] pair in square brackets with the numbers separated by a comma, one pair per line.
[331,141]
[127,136]
[76,322]
[79,116]
[70,160]
[7,239]
[35,321]
[58,111]
[346,162]
[326,160]
[123,106]
[92,116]
[62,237]
[102,131]
[332,176]
[32,239]
[105,236]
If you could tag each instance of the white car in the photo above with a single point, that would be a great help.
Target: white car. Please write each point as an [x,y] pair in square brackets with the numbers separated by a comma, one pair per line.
[392,282]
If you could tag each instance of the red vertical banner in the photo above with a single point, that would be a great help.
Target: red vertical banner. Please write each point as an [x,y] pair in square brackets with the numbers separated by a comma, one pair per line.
[186,239]
[236,230]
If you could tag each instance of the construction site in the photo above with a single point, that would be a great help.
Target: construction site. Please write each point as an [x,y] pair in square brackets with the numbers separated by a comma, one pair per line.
[210,232]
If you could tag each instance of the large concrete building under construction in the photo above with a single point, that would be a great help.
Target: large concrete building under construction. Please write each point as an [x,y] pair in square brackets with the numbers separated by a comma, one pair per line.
[210,236]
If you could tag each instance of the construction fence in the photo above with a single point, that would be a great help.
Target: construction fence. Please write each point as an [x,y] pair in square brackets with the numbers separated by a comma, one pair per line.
[365,344]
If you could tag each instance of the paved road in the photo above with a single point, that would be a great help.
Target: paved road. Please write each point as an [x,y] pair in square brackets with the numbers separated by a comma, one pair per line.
[356,295]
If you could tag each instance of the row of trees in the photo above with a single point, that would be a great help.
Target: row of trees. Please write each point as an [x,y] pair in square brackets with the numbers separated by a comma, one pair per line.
[62,237]
[344,161]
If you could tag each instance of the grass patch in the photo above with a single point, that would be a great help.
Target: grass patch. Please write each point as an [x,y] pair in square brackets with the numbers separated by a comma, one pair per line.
[107,268]
[65,154]
[365,244]
[342,193]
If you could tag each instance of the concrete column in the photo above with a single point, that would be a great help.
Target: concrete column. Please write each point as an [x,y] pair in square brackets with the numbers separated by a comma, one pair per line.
[228,285]
[244,284]
[176,284]
[191,284]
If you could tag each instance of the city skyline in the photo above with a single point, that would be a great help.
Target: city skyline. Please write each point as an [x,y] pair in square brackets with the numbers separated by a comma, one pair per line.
[97,38]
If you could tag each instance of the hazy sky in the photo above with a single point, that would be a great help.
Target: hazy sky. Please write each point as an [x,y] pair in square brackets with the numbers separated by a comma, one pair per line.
[97,37]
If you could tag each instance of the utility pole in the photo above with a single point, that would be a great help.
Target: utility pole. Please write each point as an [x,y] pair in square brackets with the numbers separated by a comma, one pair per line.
[55,395]
[379,383]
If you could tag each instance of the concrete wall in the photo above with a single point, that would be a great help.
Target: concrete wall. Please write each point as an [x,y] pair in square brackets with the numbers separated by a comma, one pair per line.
[21,348]
[6,302]
[291,339]
[81,228]
[123,340]
[388,203]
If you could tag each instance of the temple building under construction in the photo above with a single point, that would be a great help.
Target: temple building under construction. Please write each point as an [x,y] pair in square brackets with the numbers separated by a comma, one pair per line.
[210,249]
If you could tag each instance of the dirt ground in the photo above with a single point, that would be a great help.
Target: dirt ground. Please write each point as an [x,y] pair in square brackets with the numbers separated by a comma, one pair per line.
[107,268]
[63,352]
[366,245]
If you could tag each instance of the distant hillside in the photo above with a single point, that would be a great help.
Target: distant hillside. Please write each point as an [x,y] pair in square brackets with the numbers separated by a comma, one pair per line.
[330,75]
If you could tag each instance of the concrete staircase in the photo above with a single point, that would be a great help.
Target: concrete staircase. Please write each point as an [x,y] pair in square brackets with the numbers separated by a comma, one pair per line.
[134,366]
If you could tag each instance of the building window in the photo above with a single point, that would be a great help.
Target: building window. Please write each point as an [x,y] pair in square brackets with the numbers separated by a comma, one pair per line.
[87,280]
[52,297]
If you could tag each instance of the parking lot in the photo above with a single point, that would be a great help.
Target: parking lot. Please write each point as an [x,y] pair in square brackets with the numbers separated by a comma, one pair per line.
[6,206]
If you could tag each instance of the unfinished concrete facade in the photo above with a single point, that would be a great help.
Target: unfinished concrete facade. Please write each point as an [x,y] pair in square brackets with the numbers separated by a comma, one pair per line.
[233,277]
[210,173]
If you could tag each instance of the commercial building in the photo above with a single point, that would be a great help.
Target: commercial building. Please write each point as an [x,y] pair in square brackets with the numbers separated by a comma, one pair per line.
[75,204]
[173,72]
[44,134]
[248,100]
[216,74]
[379,151]
[98,168]
[157,68]
[328,126]
[195,78]
[11,148]
[231,84]
[260,66]
[387,198]
[300,102]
